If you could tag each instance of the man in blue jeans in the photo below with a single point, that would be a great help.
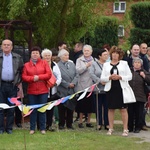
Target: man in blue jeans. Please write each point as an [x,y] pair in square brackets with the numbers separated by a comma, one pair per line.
[11,65]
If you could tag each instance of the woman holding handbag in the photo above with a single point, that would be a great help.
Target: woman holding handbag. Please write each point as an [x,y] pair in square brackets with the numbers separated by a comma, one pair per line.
[47,55]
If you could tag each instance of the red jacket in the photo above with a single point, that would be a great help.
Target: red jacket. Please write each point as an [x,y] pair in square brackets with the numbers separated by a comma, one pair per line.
[42,69]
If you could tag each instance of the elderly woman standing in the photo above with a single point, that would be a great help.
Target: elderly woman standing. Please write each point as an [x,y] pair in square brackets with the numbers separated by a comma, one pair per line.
[83,65]
[46,55]
[36,72]
[116,75]
[135,110]
[66,88]
[100,103]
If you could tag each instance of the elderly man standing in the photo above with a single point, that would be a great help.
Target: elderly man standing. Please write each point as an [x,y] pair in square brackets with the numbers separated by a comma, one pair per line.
[11,65]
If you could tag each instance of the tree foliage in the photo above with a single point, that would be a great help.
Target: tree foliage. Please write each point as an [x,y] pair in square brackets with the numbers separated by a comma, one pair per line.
[140,16]
[106,32]
[53,20]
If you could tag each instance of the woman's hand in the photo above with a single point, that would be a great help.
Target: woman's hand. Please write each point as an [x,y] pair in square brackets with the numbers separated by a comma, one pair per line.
[115,77]
[142,74]
[89,64]
[36,78]
[71,85]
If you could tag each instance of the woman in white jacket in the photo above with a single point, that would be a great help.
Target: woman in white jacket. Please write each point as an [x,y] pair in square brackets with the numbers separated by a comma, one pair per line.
[47,54]
[116,75]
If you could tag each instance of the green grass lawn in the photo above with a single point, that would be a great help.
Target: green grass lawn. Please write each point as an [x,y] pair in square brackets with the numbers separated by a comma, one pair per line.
[69,140]
[78,139]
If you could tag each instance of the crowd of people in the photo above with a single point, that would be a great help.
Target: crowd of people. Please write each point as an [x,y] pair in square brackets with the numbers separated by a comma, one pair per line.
[120,84]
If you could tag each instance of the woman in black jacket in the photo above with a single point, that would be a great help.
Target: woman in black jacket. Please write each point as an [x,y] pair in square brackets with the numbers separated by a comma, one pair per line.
[135,110]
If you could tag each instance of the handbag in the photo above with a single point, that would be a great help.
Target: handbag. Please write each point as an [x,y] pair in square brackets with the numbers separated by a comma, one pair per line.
[128,95]
[52,81]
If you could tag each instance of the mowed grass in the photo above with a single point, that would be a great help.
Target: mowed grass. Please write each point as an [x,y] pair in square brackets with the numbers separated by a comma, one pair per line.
[78,139]
[69,140]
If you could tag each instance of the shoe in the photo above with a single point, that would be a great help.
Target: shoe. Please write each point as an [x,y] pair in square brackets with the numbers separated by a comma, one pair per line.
[47,127]
[99,127]
[110,131]
[51,129]
[19,125]
[106,128]
[144,128]
[125,133]
[61,128]
[32,132]
[136,131]
[9,131]
[89,125]
[43,132]
[1,131]
[80,125]
[70,128]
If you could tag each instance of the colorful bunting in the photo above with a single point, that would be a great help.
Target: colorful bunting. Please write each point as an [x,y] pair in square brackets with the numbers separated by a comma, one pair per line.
[27,110]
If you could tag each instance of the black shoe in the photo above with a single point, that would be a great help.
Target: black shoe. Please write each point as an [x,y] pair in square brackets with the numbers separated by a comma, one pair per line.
[89,125]
[136,131]
[80,125]
[1,131]
[51,129]
[61,128]
[106,128]
[19,125]
[9,131]
[70,128]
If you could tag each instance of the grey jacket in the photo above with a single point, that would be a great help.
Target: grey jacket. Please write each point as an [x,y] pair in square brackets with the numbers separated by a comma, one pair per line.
[17,67]
[95,73]
[84,79]
[69,75]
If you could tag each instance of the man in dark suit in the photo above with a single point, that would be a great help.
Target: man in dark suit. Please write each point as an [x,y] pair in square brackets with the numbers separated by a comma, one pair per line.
[11,65]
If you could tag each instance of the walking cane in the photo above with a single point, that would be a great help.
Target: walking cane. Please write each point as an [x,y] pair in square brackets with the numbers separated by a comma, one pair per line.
[97,111]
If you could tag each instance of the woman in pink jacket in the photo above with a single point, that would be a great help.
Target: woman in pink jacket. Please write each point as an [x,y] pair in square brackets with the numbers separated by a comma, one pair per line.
[36,72]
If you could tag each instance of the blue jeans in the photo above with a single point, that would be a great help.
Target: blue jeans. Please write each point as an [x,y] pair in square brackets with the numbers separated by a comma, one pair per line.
[33,100]
[7,90]
[101,108]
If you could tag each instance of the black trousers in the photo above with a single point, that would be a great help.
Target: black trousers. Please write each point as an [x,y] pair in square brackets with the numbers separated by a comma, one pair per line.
[49,117]
[65,116]
[18,115]
[135,114]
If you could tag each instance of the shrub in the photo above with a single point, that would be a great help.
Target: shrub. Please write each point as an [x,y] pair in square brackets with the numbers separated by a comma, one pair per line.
[138,36]
[140,15]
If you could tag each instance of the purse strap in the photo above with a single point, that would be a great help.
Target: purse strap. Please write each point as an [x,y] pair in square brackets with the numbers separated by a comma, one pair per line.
[98,64]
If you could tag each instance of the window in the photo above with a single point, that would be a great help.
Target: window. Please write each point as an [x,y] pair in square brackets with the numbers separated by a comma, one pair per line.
[119,7]
[120,31]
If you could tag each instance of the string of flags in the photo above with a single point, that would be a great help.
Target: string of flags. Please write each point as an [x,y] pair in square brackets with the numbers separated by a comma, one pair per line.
[27,109]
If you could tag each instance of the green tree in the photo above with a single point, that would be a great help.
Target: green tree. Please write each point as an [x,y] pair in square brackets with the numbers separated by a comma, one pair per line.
[53,20]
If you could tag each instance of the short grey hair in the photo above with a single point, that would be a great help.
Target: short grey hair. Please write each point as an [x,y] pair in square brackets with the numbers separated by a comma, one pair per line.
[46,51]
[88,47]
[138,60]
[62,52]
